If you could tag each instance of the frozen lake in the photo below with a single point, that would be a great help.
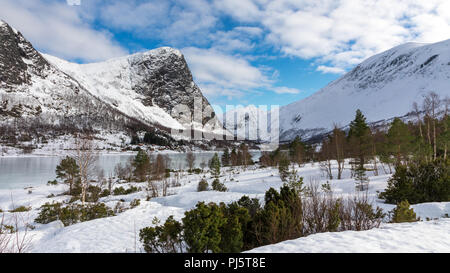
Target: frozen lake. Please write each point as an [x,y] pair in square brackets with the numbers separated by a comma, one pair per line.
[21,172]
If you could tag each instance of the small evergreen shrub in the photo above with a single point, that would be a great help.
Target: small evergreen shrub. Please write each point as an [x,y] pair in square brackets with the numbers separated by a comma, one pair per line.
[52,183]
[72,213]
[105,193]
[123,191]
[21,209]
[93,193]
[49,213]
[120,207]
[163,239]
[218,186]
[403,213]
[196,171]
[202,228]
[202,185]
[135,203]
[424,182]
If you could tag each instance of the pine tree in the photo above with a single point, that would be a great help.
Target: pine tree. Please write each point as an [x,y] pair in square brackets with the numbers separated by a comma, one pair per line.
[141,165]
[202,228]
[297,151]
[359,138]
[361,178]
[215,165]
[283,167]
[399,140]
[235,227]
[226,157]
[403,213]
[68,170]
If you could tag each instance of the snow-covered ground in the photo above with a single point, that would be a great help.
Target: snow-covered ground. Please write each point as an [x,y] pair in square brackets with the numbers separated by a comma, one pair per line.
[429,236]
[121,233]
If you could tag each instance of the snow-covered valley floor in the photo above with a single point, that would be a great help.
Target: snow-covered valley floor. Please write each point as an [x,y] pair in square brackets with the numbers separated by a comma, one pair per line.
[121,232]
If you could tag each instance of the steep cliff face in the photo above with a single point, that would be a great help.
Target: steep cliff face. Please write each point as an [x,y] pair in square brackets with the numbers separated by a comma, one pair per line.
[144,87]
[163,77]
[18,59]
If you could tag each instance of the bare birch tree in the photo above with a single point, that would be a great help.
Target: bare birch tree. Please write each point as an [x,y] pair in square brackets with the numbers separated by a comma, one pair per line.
[86,158]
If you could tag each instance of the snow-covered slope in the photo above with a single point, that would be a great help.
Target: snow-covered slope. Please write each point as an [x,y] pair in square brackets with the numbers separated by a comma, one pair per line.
[382,87]
[418,237]
[111,81]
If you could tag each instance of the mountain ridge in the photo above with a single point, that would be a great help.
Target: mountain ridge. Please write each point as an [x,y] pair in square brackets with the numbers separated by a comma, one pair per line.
[383,86]
[144,87]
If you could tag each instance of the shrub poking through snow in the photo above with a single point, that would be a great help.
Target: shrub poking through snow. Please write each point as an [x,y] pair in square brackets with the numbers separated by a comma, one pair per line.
[424,182]
[21,209]
[218,186]
[135,203]
[52,183]
[73,213]
[163,239]
[123,191]
[202,185]
[403,213]
[202,228]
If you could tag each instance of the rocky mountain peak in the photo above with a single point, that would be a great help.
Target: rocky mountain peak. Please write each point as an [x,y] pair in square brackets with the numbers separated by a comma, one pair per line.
[163,77]
[18,58]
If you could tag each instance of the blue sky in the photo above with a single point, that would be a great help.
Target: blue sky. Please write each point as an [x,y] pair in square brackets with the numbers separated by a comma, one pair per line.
[240,51]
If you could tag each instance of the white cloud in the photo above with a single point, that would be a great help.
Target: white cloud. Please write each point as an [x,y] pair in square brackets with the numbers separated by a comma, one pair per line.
[57,29]
[213,67]
[330,70]
[220,74]
[173,21]
[242,10]
[346,32]
[238,39]
[286,90]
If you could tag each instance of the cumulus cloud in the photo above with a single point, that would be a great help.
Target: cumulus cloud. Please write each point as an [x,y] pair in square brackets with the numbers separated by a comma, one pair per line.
[220,74]
[286,90]
[346,32]
[172,21]
[57,29]
[342,33]
[331,70]
[211,66]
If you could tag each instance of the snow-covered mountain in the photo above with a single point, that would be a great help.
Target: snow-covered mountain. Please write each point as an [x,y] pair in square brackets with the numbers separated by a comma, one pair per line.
[382,87]
[144,87]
